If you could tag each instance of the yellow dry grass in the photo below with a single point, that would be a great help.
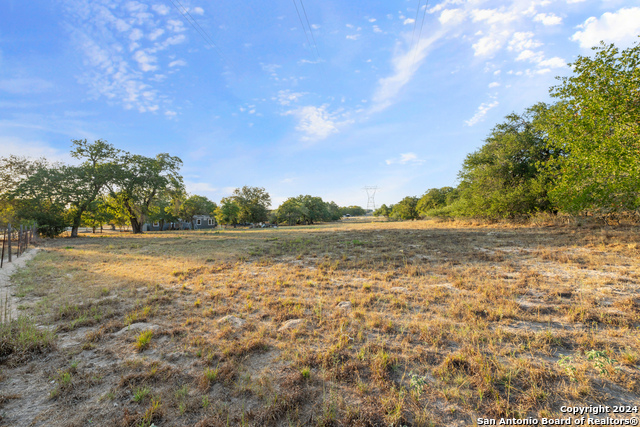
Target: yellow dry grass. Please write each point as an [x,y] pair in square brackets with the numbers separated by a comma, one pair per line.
[382,323]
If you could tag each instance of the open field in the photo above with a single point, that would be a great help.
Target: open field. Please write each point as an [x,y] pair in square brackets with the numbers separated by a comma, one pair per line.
[411,323]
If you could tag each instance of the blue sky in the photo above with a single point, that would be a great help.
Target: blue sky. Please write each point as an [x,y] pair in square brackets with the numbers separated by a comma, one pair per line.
[246,94]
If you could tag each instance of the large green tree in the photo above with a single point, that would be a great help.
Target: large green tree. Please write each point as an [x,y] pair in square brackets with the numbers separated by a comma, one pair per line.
[405,208]
[596,124]
[503,177]
[227,212]
[253,204]
[196,205]
[39,197]
[83,184]
[13,171]
[138,181]
[436,198]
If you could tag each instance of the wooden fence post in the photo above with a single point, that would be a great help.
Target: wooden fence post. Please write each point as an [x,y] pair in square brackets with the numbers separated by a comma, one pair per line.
[2,257]
[9,236]
[19,242]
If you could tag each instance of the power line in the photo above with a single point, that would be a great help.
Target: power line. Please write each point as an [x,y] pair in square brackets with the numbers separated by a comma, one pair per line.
[301,23]
[305,28]
[426,6]
[415,24]
[310,29]
[205,36]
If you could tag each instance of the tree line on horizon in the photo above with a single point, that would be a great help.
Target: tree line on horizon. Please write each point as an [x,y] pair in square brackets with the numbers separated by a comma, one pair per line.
[112,186]
[579,155]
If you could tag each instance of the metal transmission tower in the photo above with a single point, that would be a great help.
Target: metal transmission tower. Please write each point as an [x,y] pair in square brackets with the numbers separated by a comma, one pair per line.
[371,194]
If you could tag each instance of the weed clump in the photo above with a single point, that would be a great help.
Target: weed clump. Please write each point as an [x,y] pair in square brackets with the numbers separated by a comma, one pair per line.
[143,340]
[21,338]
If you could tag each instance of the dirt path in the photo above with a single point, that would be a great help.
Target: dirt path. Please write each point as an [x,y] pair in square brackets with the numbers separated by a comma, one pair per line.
[7,288]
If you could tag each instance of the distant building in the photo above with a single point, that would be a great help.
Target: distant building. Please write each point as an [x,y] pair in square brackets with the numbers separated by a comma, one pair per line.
[200,222]
[204,222]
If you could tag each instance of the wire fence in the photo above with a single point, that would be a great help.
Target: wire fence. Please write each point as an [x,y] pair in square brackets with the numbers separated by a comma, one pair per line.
[16,240]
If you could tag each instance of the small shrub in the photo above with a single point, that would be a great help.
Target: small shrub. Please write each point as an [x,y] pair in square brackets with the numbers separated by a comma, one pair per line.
[140,393]
[143,340]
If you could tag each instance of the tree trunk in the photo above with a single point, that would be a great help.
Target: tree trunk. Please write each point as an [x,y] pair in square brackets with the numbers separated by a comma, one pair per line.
[75,226]
[136,226]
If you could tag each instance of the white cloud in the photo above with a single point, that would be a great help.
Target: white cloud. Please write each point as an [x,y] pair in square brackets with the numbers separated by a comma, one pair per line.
[286,97]
[271,68]
[353,36]
[494,16]
[405,64]
[452,17]
[555,62]
[136,34]
[531,56]
[405,158]
[198,11]
[483,109]
[548,19]
[145,61]
[621,27]
[315,122]
[376,29]
[155,34]
[199,187]
[161,9]
[114,35]
[523,40]
[488,45]
[372,20]
[409,21]
[178,63]
[175,26]
[494,84]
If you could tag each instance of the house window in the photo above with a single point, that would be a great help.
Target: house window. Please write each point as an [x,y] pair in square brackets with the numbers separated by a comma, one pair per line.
[198,222]
[156,223]
[210,221]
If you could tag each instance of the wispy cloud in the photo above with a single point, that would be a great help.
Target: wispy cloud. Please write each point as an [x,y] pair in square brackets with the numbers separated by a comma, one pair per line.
[482,111]
[317,123]
[405,63]
[286,97]
[405,158]
[124,46]
[548,19]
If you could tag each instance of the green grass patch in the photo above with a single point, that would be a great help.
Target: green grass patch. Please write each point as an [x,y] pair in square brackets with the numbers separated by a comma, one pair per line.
[21,338]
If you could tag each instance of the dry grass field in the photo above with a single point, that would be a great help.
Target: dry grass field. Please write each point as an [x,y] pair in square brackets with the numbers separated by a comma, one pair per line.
[408,323]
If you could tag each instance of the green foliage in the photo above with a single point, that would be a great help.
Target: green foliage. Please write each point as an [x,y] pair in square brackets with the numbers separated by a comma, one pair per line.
[97,214]
[503,178]
[253,204]
[436,198]
[353,211]
[227,212]
[405,209]
[196,205]
[137,182]
[304,210]
[21,337]
[596,122]
[383,210]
